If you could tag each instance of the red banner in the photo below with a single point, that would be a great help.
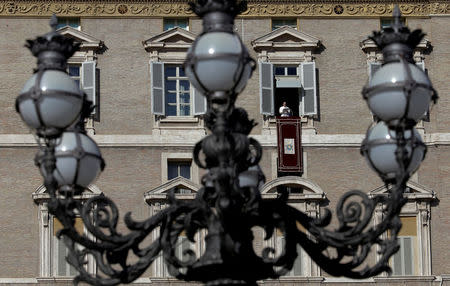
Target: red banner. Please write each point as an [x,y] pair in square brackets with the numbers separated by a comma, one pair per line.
[289,133]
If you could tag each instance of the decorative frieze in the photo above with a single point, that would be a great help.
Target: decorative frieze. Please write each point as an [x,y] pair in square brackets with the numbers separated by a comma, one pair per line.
[255,9]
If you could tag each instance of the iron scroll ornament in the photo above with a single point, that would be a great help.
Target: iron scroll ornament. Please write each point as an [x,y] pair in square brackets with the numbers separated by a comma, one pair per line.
[227,207]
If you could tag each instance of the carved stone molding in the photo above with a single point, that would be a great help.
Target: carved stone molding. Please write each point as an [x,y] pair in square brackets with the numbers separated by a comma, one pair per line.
[294,8]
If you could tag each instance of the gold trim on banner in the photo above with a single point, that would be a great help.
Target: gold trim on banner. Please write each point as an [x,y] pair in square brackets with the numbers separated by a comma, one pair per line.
[255,8]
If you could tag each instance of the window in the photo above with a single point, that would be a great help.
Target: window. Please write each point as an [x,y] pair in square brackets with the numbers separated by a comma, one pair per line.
[172,94]
[297,269]
[73,22]
[295,85]
[53,252]
[170,23]
[60,251]
[414,255]
[306,196]
[278,23]
[404,262]
[178,91]
[387,22]
[157,199]
[74,73]
[178,168]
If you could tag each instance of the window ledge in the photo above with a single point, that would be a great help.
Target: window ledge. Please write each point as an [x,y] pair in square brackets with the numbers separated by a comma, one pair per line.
[404,278]
[179,119]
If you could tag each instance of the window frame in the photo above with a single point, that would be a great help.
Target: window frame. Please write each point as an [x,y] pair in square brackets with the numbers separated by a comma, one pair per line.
[178,156]
[418,205]
[177,78]
[188,23]
[47,267]
[296,26]
[66,22]
[178,164]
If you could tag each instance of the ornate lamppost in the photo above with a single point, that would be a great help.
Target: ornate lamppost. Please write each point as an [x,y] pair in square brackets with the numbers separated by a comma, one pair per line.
[229,204]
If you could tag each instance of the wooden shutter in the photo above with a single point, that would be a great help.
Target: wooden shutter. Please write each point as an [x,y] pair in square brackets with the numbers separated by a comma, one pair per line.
[199,103]
[266,88]
[157,87]
[309,99]
[88,82]
[373,67]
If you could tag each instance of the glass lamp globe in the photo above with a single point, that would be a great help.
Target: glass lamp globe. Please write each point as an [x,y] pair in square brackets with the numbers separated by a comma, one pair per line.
[78,160]
[380,145]
[49,102]
[399,90]
[218,61]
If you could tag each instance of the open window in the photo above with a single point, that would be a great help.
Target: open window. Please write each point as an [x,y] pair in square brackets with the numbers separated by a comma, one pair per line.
[287,73]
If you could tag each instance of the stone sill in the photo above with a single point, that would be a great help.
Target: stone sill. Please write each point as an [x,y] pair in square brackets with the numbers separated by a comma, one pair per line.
[179,119]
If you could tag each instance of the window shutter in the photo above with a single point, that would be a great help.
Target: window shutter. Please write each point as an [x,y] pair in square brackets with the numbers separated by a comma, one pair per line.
[88,81]
[199,103]
[309,100]
[157,87]
[297,269]
[373,67]
[266,88]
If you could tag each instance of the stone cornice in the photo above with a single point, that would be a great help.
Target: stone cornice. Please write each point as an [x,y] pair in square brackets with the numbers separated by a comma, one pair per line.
[260,8]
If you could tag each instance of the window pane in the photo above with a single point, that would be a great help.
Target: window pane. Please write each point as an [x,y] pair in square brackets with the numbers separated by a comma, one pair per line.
[171,85]
[182,23]
[185,110]
[279,71]
[184,86]
[181,71]
[185,98]
[171,71]
[169,24]
[171,110]
[172,170]
[278,23]
[74,70]
[292,70]
[185,170]
[171,97]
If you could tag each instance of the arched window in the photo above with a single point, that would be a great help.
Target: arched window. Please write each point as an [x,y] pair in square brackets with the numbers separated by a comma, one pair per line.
[306,196]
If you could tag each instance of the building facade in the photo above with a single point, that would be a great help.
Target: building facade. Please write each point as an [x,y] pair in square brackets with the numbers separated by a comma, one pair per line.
[314,55]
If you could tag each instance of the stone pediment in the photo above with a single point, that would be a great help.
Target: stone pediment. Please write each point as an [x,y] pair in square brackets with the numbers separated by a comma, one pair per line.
[415,191]
[310,190]
[41,194]
[87,41]
[176,38]
[161,193]
[368,45]
[286,38]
